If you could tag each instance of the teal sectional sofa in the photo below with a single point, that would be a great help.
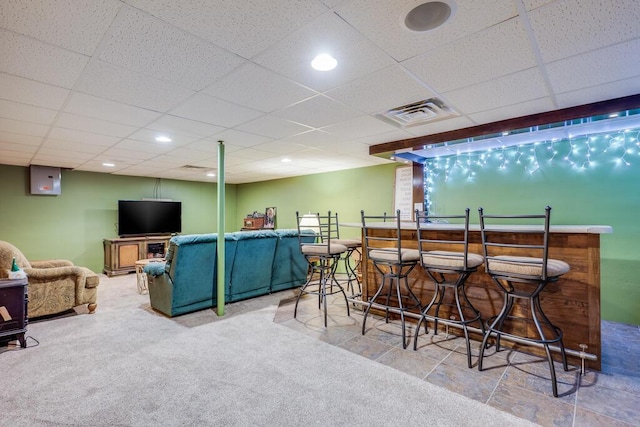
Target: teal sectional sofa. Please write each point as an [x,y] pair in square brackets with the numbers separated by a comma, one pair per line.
[256,263]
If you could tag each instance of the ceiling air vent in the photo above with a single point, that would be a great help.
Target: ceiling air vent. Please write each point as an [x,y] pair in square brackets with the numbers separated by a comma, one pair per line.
[191,167]
[418,113]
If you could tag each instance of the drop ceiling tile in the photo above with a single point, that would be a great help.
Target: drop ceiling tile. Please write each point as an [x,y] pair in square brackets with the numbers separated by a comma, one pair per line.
[440,126]
[280,147]
[395,135]
[129,87]
[72,24]
[30,92]
[21,139]
[534,4]
[616,62]
[245,27]
[508,90]
[96,165]
[383,23]
[145,44]
[237,138]
[215,111]
[24,128]
[314,139]
[178,125]
[148,135]
[494,52]
[89,124]
[186,155]
[104,109]
[139,170]
[382,90]
[63,145]
[209,147]
[122,156]
[11,156]
[25,150]
[360,127]
[271,126]
[39,61]
[24,112]
[522,109]
[275,91]
[356,55]
[599,93]
[571,27]
[145,147]
[168,161]
[53,153]
[252,156]
[83,137]
[318,111]
[343,148]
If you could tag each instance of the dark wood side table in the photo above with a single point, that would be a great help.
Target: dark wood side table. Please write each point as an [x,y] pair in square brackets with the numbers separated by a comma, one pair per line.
[13,309]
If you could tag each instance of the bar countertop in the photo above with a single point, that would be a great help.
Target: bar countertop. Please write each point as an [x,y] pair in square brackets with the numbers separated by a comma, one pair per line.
[588,229]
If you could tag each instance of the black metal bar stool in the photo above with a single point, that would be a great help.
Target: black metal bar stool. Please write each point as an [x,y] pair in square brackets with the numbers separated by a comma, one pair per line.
[346,259]
[522,270]
[448,263]
[322,256]
[394,263]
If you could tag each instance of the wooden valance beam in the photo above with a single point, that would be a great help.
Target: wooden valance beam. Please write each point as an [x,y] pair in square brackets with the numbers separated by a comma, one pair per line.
[631,102]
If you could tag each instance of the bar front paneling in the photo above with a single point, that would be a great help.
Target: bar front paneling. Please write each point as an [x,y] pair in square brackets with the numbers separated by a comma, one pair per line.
[572,303]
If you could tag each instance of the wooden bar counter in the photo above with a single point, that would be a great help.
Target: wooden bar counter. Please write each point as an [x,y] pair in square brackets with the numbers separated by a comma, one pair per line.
[572,303]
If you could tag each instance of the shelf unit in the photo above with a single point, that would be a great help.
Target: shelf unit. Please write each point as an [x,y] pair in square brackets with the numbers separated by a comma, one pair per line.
[121,254]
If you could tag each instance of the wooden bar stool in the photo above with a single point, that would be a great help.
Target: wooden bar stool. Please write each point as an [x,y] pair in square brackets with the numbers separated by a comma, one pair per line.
[448,263]
[522,270]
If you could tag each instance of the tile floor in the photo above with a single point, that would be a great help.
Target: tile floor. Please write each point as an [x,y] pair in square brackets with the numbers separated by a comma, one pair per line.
[512,381]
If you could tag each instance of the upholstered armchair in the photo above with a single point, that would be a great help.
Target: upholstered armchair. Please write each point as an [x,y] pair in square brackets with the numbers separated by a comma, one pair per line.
[54,286]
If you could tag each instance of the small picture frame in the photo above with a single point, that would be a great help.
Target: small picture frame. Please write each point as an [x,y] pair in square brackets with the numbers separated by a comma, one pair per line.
[270,217]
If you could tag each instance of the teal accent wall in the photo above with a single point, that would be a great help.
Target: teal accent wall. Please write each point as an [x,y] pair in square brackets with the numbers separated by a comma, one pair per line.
[597,188]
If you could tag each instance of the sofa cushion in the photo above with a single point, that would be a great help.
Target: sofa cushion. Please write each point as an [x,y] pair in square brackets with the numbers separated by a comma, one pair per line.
[253,261]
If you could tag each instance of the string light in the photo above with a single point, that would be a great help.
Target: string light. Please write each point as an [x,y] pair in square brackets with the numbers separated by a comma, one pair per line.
[582,154]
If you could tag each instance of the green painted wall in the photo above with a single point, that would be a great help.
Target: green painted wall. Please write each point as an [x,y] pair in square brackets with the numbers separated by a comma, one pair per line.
[344,192]
[604,192]
[73,224]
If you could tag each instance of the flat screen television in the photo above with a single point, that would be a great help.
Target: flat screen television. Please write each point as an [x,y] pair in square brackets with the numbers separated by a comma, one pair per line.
[144,217]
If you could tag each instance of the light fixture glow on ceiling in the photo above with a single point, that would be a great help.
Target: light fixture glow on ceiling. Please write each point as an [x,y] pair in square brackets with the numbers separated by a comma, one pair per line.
[163,138]
[211,174]
[324,62]
[109,165]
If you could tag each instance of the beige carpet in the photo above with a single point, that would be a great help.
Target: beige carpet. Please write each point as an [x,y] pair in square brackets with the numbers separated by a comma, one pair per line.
[129,366]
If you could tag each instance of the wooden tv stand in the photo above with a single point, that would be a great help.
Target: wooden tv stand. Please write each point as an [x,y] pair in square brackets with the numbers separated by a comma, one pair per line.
[121,254]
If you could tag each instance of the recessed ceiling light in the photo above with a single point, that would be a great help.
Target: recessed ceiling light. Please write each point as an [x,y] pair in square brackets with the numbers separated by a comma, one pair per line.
[211,174]
[286,160]
[109,165]
[429,15]
[324,62]
[163,138]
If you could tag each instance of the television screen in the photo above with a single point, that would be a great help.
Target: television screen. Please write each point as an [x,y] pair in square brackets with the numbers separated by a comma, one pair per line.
[142,217]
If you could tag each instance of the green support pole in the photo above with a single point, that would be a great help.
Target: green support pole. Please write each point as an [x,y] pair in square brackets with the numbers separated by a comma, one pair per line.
[221,228]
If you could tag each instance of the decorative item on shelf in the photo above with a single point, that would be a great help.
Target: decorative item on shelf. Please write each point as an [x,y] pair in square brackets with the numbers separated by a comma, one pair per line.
[16,272]
[270,217]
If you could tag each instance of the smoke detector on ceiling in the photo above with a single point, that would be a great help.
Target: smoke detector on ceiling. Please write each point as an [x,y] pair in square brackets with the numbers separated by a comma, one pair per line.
[418,113]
